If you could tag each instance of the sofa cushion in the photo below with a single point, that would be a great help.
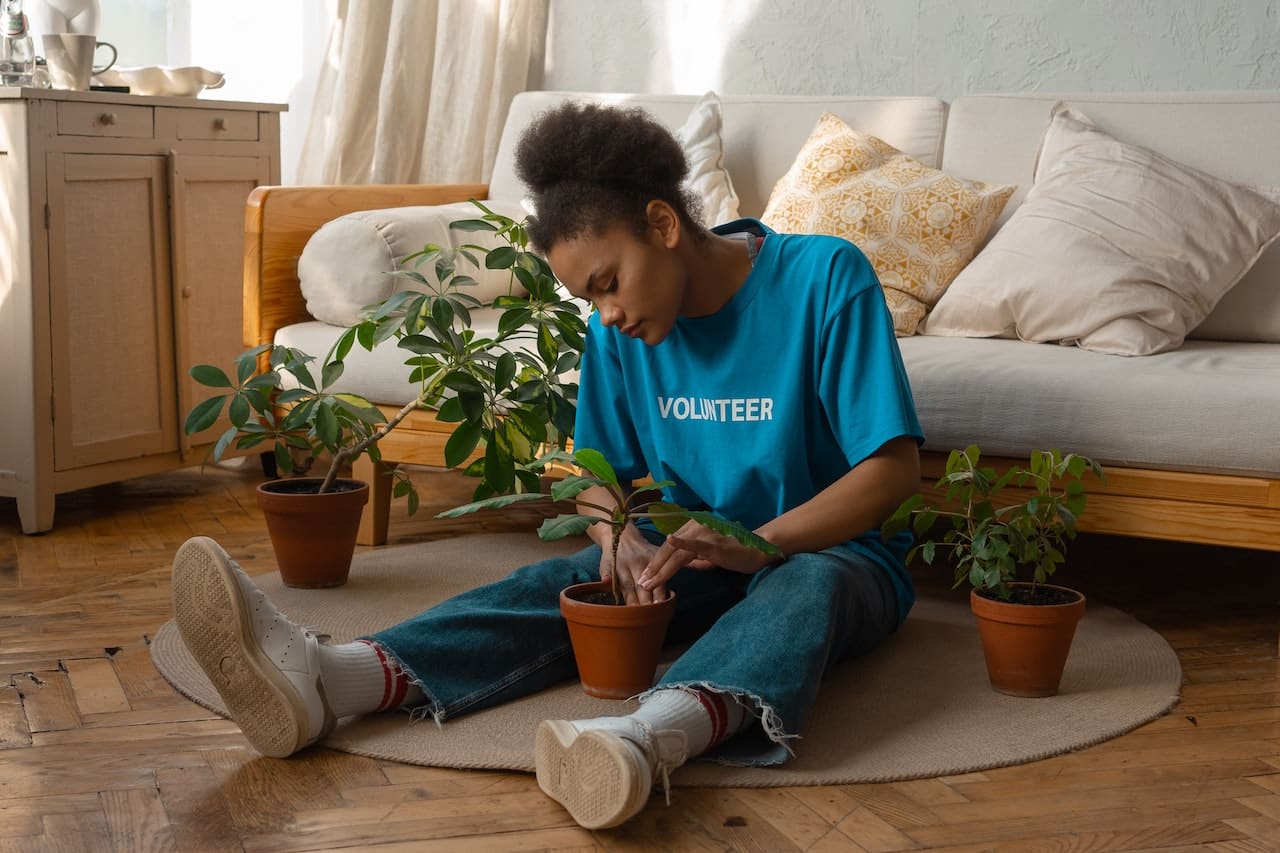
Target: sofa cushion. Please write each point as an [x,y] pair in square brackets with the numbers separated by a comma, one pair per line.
[1208,406]
[918,226]
[1116,248]
[346,264]
[703,147]
[995,138]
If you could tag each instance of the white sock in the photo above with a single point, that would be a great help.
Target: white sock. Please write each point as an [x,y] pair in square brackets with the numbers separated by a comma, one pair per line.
[706,717]
[360,678]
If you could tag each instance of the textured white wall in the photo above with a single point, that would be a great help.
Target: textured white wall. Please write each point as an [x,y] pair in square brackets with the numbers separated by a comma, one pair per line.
[912,47]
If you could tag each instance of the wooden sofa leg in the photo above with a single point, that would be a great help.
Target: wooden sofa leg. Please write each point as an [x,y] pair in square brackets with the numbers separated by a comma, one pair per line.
[377,512]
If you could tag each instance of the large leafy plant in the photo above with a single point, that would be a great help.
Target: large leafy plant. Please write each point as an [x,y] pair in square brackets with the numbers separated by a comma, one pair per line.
[629,506]
[508,391]
[991,536]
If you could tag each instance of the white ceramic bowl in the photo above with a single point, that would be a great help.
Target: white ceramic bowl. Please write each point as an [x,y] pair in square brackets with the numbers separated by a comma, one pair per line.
[187,81]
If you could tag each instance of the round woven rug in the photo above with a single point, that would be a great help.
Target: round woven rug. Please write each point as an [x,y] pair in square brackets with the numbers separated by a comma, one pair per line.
[920,706]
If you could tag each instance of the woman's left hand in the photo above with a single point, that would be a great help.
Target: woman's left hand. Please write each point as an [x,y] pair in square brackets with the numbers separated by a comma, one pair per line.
[697,547]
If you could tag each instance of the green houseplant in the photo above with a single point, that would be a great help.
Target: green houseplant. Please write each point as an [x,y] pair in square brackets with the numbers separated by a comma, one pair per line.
[993,537]
[617,647]
[508,392]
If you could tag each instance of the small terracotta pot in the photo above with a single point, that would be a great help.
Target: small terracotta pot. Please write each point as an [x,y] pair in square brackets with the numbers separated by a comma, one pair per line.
[617,647]
[1026,645]
[313,535]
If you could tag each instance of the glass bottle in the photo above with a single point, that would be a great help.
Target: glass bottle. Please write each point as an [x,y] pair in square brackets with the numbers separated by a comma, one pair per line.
[40,78]
[17,52]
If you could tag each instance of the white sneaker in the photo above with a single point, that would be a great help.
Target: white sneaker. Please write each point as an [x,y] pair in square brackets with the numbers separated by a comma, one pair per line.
[265,668]
[603,774]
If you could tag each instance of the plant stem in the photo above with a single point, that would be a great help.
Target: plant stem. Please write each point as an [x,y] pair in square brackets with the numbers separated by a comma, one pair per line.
[613,562]
[350,453]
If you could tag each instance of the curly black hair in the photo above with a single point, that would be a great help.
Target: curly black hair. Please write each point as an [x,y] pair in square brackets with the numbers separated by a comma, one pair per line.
[589,166]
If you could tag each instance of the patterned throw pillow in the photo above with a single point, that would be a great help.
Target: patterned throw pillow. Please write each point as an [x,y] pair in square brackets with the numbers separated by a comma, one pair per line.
[918,226]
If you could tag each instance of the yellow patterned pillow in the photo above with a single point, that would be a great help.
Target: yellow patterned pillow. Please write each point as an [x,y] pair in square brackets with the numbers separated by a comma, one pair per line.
[918,226]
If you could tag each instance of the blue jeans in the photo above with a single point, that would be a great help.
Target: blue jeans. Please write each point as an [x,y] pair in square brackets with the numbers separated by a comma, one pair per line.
[766,638]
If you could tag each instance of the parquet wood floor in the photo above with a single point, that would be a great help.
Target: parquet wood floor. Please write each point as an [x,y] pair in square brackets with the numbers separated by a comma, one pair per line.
[97,752]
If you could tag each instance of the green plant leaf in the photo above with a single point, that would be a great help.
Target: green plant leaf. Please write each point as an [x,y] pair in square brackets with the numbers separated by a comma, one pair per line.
[572,486]
[472,225]
[459,381]
[563,413]
[207,374]
[667,517]
[361,408]
[499,468]
[513,319]
[461,444]
[223,442]
[547,346]
[594,461]
[284,460]
[501,258]
[238,411]
[327,429]
[450,411]
[472,403]
[302,374]
[491,503]
[331,373]
[732,528]
[204,415]
[566,525]
[504,372]
[293,395]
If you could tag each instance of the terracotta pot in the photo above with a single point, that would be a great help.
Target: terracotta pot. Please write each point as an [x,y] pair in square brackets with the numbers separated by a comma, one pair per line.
[313,535]
[1026,645]
[616,647]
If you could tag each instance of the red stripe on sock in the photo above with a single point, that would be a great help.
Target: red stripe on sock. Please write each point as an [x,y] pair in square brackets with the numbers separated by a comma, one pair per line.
[388,678]
[402,690]
[713,704]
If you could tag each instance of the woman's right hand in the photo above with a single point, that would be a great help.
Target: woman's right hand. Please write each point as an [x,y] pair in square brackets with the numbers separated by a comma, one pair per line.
[634,553]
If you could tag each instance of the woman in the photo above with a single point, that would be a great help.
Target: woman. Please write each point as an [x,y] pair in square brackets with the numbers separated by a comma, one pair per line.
[757,371]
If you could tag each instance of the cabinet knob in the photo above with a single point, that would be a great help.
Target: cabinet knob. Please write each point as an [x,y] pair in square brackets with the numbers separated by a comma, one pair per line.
[186,293]
[107,118]
[219,123]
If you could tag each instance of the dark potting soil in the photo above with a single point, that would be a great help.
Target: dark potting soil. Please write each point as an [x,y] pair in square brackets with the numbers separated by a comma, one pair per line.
[309,486]
[598,598]
[1035,594]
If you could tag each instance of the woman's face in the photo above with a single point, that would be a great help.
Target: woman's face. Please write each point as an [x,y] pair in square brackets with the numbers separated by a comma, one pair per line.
[638,284]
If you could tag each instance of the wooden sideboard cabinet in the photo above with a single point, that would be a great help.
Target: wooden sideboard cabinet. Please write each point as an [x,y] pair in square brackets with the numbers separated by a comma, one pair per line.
[121,254]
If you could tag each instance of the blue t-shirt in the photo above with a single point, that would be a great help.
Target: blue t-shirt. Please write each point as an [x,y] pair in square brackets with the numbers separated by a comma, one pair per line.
[755,409]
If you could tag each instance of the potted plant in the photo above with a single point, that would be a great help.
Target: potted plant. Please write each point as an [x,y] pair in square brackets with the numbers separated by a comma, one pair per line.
[507,392]
[616,645]
[1026,626]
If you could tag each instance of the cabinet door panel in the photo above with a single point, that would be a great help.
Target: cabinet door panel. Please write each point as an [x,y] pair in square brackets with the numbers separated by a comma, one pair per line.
[110,308]
[209,195]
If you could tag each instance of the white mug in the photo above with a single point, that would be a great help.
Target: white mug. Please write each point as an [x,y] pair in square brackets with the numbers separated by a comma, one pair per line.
[70,59]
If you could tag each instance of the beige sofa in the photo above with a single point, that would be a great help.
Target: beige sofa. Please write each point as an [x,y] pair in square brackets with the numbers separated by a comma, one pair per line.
[1190,438]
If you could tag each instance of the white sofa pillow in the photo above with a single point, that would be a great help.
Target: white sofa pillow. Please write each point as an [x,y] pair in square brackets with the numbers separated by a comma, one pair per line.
[1116,249]
[703,147]
[345,265]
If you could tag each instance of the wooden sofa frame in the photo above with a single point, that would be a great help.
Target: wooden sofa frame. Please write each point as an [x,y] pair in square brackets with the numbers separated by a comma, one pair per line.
[1176,505]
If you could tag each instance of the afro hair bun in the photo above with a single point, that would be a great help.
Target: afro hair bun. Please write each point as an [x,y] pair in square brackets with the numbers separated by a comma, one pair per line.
[604,145]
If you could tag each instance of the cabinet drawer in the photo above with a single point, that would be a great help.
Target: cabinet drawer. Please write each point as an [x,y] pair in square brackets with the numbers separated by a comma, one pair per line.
[105,120]
[217,124]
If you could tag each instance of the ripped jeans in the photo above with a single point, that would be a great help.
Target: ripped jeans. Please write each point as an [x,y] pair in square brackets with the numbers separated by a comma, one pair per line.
[765,638]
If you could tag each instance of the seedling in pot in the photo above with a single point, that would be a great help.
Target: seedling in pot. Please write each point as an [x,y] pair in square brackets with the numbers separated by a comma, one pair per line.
[630,505]
[992,537]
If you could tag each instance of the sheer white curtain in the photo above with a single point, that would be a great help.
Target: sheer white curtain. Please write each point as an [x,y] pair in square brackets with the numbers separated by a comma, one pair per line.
[416,91]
